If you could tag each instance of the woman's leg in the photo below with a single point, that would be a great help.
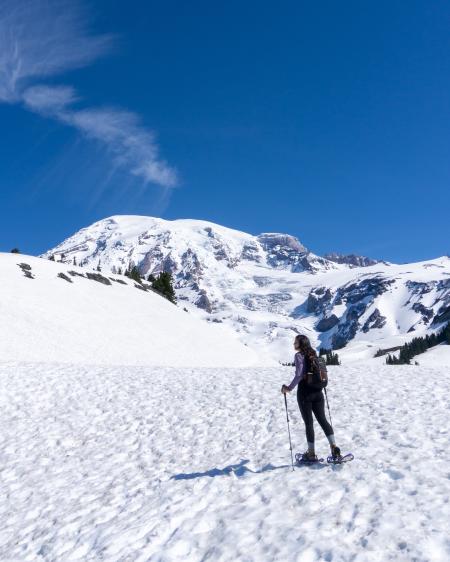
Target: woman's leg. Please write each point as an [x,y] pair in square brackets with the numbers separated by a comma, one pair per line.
[318,407]
[306,412]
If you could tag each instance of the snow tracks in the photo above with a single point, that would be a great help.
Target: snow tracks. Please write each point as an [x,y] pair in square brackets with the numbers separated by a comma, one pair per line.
[136,464]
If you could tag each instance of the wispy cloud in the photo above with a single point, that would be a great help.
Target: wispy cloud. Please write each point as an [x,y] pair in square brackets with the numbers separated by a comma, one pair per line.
[50,101]
[40,39]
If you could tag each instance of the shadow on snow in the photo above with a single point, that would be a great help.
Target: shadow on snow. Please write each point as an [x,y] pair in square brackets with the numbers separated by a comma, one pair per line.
[237,469]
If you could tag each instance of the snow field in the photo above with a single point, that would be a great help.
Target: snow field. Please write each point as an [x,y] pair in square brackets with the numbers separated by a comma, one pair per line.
[167,464]
[50,319]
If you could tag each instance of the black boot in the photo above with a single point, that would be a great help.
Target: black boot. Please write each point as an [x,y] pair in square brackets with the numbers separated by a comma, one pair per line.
[335,452]
[309,456]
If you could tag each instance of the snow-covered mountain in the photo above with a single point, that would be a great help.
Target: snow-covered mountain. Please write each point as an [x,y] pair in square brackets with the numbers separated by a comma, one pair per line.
[270,287]
[53,312]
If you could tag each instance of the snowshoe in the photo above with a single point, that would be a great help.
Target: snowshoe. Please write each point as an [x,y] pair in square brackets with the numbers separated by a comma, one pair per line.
[306,458]
[337,458]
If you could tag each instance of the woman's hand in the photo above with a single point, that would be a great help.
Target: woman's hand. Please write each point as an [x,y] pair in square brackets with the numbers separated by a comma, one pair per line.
[285,389]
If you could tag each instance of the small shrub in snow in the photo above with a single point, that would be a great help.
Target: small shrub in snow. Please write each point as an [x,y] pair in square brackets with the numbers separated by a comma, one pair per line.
[26,269]
[121,281]
[98,277]
[65,277]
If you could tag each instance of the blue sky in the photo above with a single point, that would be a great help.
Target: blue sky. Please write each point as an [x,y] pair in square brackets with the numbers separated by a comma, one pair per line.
[326,120]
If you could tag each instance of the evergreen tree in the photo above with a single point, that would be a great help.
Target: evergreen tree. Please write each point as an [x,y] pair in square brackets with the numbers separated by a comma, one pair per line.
[133,273]
[330,357]
[15,251]
[164,285]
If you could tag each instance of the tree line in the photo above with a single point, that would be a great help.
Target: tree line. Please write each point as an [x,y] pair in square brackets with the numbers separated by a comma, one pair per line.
[330,358]
[419,345]
[162,283]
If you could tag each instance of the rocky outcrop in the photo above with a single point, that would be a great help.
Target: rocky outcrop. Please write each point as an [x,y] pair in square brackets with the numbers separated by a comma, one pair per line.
[426,313]
[203,302]
[367,288]
[443,315]
[190,271]
[318,300]
[348,326]
[327,323]
[351,259]
[284,251]
[375,321]
[251,252]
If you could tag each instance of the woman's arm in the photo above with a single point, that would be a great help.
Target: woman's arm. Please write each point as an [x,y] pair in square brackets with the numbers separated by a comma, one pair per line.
[298,360]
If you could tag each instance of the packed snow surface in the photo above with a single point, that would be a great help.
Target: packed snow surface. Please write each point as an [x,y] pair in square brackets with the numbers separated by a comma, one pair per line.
[437,356]
[168,465]
[74,319]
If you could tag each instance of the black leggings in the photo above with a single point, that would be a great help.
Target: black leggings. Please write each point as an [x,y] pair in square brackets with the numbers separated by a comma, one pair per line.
[309,403]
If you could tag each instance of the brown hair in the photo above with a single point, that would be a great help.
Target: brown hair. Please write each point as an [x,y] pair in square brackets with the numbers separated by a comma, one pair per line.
[305,346]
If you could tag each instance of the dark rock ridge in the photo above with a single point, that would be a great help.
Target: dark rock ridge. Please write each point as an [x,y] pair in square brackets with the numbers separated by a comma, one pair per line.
[367,288]
[318,300]
[203,302]
[375,320]
[426,313]
[351,259]
[419,289]
[327,323]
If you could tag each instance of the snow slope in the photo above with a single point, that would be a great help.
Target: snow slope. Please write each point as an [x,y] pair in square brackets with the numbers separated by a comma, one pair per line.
[48,318]
[268,288]
[170,465]
[435,357]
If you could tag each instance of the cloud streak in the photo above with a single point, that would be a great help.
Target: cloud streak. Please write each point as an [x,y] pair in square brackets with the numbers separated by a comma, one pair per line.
[43,39]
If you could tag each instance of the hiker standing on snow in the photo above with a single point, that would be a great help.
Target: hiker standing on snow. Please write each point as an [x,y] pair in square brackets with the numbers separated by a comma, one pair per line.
[309,399]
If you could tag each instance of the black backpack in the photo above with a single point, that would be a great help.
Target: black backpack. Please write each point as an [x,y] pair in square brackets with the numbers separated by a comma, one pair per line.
[316,376]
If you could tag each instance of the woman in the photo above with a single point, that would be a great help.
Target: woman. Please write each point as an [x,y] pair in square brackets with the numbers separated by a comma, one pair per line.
[309,400]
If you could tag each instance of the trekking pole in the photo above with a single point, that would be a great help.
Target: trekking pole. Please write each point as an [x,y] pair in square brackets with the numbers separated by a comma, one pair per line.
[289,431]
[328,406]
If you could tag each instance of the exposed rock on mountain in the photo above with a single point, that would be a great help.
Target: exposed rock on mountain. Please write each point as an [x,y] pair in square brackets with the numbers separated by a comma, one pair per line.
[351,259]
